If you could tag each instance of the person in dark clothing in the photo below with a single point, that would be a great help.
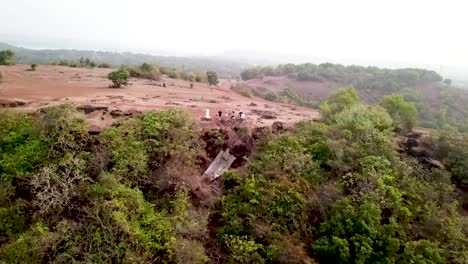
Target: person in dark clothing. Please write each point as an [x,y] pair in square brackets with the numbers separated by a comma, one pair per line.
[220,113]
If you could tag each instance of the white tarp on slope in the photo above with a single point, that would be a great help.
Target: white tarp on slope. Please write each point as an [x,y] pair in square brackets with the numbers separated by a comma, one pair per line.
[220,165]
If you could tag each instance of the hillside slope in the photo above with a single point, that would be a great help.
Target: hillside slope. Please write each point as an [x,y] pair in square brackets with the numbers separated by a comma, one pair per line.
[439,104]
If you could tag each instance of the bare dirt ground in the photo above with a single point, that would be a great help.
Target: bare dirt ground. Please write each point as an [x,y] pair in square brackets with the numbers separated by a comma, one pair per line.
[52,85]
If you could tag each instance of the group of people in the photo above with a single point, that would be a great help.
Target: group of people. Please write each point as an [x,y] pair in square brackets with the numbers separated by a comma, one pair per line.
[232,115]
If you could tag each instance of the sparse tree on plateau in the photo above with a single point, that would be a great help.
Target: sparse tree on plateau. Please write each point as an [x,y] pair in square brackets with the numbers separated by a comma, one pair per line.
[212,78]
[33,67]
[7,57]
[119,77]
[448,81]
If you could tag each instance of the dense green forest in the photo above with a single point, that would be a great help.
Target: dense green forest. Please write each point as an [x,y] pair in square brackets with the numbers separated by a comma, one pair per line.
[438,104]
[225,68]
[335,191]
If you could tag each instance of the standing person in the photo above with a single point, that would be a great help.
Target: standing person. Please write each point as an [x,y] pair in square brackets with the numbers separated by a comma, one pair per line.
[220,114]
[242,116]
[233,114]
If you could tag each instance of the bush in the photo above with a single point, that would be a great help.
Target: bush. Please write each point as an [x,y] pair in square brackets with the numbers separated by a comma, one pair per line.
[271,96]
[64,130]
[212,78]
[200,77]
[403,113]
[55,186]
[21,144]
[148,71]
[119,77]
[174,74]
[245,92]
[7,57]
[104,65]
[127,151]
[33,67]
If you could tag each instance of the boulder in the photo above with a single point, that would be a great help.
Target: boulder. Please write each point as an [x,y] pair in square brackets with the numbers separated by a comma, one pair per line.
[259,133]
[11,103]
[87,109]
[413,134]
[419,152]
[412,142]
[278,127]
[436,164]
[117,113]
[268,115]
[240,150]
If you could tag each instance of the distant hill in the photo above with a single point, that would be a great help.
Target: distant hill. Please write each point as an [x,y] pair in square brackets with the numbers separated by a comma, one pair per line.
[439,104]
[226,68]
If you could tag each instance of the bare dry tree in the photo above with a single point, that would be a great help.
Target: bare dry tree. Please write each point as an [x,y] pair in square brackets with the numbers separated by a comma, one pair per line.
[54,187]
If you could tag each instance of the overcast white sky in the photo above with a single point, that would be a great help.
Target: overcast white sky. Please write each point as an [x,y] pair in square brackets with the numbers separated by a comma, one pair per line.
[419,31]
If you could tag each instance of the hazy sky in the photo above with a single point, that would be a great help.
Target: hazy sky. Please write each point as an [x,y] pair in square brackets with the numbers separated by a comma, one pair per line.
[416,31]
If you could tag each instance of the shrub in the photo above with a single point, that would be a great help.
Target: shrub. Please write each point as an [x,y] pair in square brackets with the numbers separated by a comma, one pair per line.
[403,113]
[200,77]
[7,57]
[119,77]
[339,100]
[148,71]
[212,78]
[54,186]
[104,65]
[13,219]
[33,67]
[271,96]
[64,130]
[163,70]
[127,150]
[21,144]
[174,74]
[245,92]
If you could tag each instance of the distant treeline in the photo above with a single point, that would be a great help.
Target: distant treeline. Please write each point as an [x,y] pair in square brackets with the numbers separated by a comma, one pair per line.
[361,77]
[224,67]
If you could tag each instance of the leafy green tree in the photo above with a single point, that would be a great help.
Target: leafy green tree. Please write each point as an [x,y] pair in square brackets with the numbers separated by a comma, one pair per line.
[174,74]
[338,101]
[212,78]
[448,82]
[452,148]
[403,113]
[119,77]
[7,57]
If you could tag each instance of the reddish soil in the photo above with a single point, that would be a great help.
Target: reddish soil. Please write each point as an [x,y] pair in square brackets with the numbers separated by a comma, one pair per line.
[51,85]
[309,89]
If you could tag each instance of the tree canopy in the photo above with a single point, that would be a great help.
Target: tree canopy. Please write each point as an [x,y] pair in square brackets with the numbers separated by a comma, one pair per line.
[7,57]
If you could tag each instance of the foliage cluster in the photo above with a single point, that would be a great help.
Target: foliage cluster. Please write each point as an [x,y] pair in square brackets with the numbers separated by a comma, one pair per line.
[119,77]
[68,197]
[330,192]
[338,192]
[373,78]
[7,57]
